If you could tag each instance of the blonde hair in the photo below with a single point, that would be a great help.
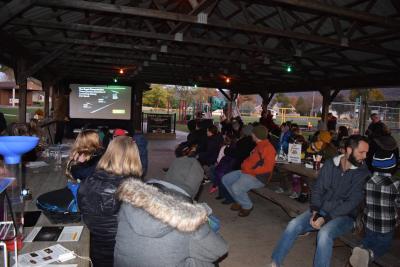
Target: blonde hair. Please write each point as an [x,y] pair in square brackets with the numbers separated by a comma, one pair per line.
[87,142]
[121,157]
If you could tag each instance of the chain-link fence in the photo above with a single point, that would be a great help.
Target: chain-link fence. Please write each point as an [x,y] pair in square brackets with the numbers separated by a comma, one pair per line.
[348,114]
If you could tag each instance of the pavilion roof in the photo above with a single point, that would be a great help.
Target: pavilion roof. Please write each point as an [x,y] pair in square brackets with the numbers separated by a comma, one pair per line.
[331,44]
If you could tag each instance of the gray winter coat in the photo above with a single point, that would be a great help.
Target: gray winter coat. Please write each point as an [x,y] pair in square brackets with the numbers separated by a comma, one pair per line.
[156,229]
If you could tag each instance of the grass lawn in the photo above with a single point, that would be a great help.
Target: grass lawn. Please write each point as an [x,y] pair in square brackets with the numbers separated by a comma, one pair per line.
[11,113]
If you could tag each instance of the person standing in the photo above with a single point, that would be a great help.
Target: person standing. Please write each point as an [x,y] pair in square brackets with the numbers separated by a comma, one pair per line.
[336,195]
[376,128]
[253,173]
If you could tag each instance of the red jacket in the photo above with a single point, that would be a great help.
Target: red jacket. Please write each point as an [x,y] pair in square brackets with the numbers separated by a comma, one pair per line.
[261,160]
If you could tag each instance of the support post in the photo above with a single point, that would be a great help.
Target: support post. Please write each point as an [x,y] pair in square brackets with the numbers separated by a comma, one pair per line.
[266,99]
[137,105]
[326,101]
[22,91]
[363,112]
[46,90]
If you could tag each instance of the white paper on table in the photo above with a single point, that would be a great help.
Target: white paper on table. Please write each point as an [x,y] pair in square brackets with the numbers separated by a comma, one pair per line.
[70,233]
[43,257]
[294,154]
[36,164]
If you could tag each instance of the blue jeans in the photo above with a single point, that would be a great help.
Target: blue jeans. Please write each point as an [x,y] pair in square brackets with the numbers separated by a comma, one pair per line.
[326,235]
[238,184]
[377,242]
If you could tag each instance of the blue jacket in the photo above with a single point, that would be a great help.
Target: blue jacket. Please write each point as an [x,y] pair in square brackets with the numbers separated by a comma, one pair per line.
[337,193]
[141,142]
[284,141]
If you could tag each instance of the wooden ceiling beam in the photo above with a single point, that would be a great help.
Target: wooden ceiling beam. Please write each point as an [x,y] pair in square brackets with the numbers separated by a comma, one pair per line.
[212,22]
[320,7]
[13,9]
[167,37]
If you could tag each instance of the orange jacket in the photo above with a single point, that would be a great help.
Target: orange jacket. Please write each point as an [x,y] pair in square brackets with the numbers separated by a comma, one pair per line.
[261,160]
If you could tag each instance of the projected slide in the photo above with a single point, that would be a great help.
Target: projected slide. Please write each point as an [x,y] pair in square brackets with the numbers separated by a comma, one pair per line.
[100,102]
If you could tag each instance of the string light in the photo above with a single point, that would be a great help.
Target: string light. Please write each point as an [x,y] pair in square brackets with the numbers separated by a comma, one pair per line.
[227,80]
[288,68]
[115,80]
[121,71]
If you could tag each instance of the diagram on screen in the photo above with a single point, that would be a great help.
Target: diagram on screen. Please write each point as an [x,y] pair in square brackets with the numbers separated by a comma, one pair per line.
[99,101]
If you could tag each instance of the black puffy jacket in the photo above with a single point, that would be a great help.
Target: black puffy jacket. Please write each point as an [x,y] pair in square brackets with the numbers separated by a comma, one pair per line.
[99,207]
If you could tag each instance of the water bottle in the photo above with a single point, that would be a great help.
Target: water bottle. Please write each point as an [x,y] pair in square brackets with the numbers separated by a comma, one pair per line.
[58,155]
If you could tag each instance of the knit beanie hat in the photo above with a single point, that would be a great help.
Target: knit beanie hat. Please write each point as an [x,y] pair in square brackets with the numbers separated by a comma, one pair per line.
[186,173]
[385,157]
[260,132]
[247,130]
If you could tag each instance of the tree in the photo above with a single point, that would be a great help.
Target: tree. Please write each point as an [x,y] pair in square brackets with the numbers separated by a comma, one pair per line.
[156,97]
[302,106]
[281,98]
[340,109]
[185,93]
[203,94]
[373,94]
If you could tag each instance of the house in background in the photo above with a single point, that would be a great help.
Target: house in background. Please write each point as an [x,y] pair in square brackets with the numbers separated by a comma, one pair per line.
[9,90]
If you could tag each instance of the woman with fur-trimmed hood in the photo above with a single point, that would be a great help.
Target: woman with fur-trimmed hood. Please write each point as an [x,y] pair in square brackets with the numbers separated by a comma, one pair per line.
[159,225]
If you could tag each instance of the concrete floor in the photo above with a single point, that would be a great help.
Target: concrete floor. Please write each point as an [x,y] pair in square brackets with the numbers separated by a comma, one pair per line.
[252,239]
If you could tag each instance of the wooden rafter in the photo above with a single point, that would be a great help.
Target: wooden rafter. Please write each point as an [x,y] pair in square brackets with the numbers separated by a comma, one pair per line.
[13,9]
[330,9]
[170,16]
[166,37]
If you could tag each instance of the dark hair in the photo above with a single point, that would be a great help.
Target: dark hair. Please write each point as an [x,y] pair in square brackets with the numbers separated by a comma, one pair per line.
[342,132]
[373,114]
[354,140]
[213,129]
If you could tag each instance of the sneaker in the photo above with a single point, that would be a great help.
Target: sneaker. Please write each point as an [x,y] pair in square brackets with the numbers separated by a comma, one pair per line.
[205,181]
[294,195]
[213,189]
[279,190]
[360,257]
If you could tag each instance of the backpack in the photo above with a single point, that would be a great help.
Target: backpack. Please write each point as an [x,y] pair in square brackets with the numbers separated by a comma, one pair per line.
[59,206]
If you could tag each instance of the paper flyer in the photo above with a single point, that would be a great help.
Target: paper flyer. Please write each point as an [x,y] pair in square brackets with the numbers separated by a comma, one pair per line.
[44,256]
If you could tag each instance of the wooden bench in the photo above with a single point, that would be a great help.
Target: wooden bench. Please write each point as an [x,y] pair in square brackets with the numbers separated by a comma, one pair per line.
[293,208]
